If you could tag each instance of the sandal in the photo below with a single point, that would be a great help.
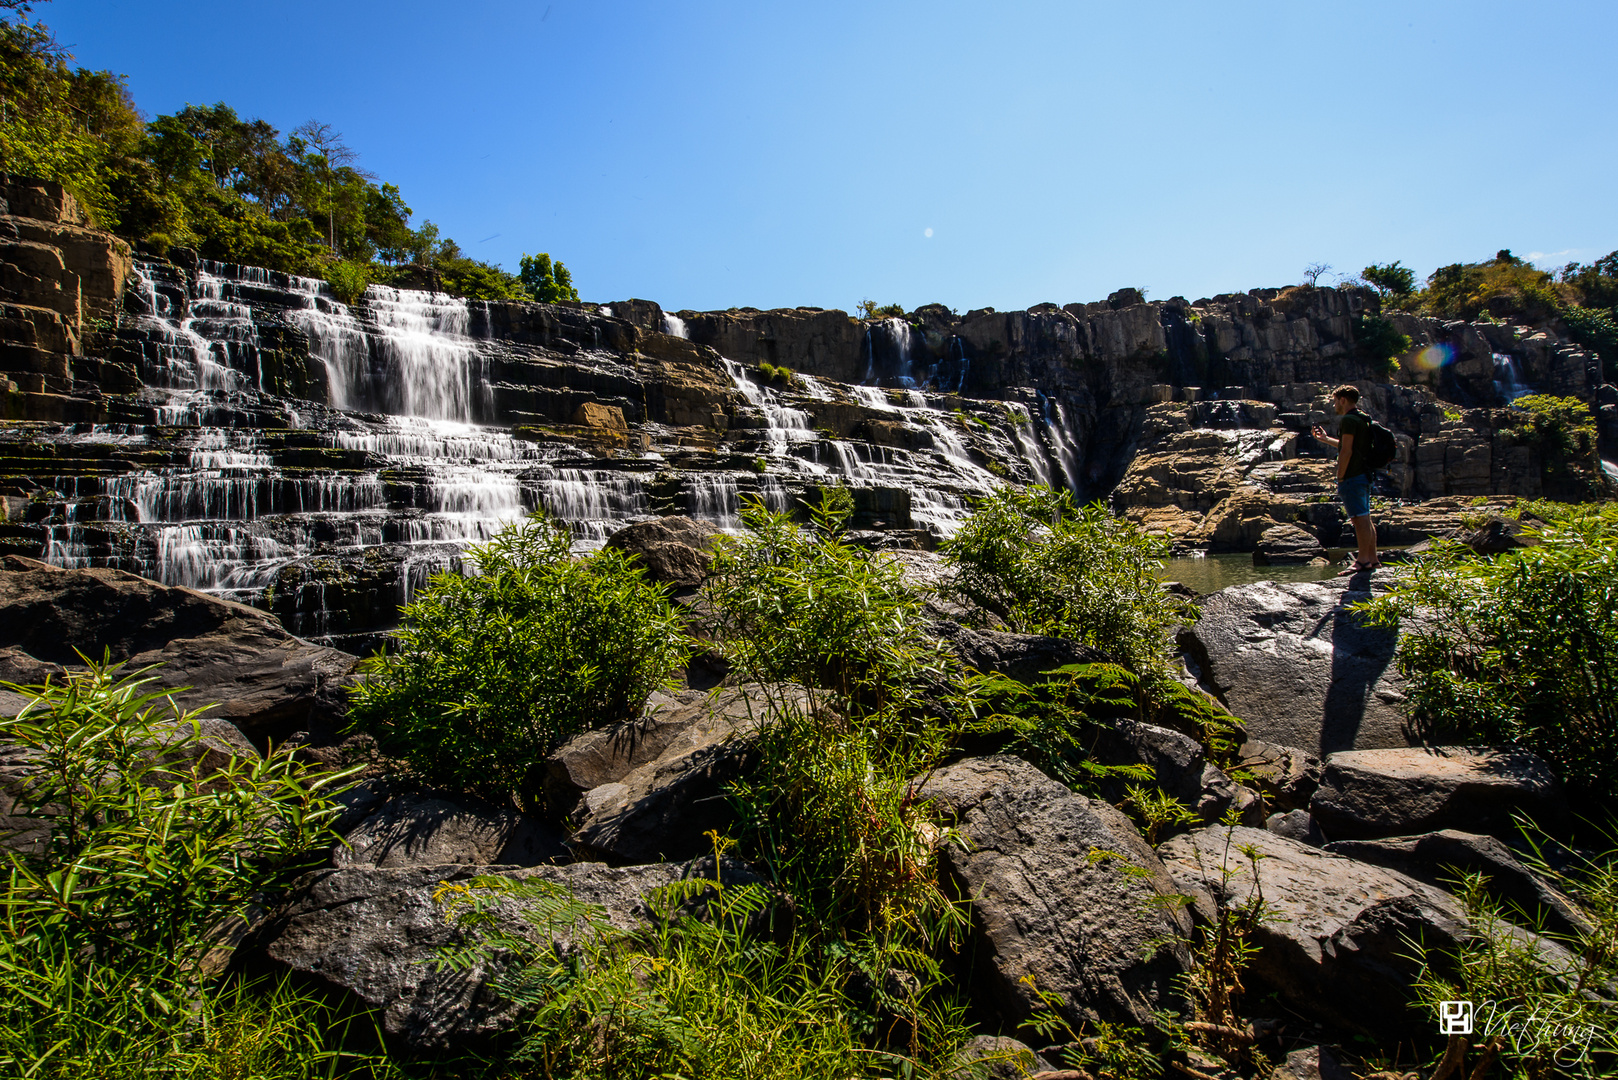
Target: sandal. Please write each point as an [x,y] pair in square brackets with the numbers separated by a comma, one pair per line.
[1357,567]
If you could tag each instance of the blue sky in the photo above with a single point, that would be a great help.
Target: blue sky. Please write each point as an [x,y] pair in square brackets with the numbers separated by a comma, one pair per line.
[716,154]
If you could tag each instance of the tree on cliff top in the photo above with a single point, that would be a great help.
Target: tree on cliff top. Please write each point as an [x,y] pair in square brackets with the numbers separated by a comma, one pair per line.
[547,282]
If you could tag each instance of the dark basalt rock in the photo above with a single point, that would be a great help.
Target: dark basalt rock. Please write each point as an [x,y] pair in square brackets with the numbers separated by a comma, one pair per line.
[675,550]
[1298,667]
[374,934]
[1337,943]
[648,790]
[261,679]
[422,829]
[1285,545]
[1024,657]
[1400,792]
[1062,888]
[1436,858]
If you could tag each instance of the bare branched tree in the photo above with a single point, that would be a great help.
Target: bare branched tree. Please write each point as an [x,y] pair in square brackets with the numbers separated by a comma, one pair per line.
[1314,272]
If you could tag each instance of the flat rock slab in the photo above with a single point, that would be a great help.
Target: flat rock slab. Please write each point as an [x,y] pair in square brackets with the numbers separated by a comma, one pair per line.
[1436,858]
[1337,943]
[428,830]
[1063,889]
[375,934]
[1298,667]
[1401,792]
[655,787]
[263,680]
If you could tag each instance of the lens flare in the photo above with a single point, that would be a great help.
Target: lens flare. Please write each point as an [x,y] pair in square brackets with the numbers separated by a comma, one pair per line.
[1434,357]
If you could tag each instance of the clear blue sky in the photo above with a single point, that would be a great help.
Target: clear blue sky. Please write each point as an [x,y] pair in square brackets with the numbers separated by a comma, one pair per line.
[711,154]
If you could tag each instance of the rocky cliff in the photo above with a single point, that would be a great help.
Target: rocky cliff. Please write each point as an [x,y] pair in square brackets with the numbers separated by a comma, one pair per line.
[245,432]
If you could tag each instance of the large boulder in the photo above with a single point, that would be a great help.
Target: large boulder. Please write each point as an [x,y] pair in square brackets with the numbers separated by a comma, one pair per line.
[257,676]
[675,550]
[648,790]
[1287,545]
[1436,858]
[374,935]
[1298,667]
[1063,890]
[421,829]
[1335,941]
[1401,792]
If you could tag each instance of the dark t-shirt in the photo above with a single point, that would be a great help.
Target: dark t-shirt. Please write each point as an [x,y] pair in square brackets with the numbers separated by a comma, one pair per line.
[1357,424]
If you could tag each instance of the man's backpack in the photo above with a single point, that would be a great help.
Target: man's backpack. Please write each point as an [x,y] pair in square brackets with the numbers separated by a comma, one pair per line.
[1384,448]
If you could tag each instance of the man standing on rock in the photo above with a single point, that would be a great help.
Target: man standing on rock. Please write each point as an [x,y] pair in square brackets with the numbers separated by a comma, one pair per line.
[1353,446]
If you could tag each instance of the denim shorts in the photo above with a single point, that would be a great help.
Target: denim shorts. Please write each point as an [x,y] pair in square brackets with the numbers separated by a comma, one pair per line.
[1355,492]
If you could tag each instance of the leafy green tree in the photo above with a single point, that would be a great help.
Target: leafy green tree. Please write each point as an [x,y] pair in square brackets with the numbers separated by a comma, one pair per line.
[1394,282]
[547,282]
[1044,565]
[492,671]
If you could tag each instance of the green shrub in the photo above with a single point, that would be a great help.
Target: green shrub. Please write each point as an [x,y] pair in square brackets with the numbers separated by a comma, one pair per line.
[494,670]
[870,309]
[1519,649]
[348,280]
[1597,330]
[828,805]
[1047,566]
[1463,290]
[1380,343]
[803,605]
[546,281]
[110,918]
[698,994]
[1394,282]
[1563,430]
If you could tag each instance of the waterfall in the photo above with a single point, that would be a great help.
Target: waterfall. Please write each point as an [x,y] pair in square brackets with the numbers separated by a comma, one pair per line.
[1062,437]
[784,425]
[813,387]
[674,326]
[1023,434]
[593,503]
[414,358]
[713,497]
[873,397]
[1508,380]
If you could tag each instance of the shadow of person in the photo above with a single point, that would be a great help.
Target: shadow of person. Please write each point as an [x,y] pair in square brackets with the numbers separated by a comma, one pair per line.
[1360,653]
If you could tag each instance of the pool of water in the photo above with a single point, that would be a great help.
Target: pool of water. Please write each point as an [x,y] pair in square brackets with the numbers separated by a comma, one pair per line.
[1211,573]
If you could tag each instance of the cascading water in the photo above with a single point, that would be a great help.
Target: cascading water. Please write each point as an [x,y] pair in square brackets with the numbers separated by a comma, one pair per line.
[330,511]
[1021,426]
[674,326]
[784,425]
[1061,436]
[1508,381]
[412,356]
[235,511]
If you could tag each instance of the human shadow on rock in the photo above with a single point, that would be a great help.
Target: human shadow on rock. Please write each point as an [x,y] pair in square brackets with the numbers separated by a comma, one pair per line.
[1360,653]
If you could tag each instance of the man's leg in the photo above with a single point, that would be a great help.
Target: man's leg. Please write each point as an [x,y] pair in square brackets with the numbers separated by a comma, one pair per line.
[1365,536]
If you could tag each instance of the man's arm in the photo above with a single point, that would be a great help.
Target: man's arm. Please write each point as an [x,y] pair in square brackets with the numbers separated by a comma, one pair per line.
[1345,451]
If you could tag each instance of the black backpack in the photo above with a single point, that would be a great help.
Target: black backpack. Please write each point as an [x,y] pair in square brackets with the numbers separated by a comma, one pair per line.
[1383,449]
